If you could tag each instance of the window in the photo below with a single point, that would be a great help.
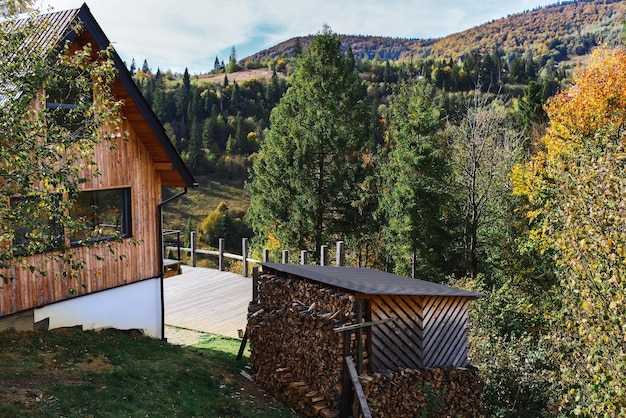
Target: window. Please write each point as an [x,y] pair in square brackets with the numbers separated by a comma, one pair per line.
[106,214]
[38,229]
[62,104]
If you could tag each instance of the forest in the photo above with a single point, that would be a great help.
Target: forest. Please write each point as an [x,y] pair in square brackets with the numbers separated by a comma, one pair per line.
[497,171]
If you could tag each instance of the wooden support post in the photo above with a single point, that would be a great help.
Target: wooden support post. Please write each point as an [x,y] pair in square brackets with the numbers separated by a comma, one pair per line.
[359,336]
[354,376]
[266,255]
[192,239]
[303,255]
[255,300]
[242,346]
[285,259]
[244,256]
[255,285]
[347,396]
[178,245]
[340,254]
[221,255]
[324,255]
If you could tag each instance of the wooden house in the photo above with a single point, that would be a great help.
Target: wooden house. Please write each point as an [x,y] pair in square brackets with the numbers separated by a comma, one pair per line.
[309,319]
[124,291]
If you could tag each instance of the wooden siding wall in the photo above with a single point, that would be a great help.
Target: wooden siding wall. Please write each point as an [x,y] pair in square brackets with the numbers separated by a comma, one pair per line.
[445,331]
[426,332]
[397,343]
[130,165]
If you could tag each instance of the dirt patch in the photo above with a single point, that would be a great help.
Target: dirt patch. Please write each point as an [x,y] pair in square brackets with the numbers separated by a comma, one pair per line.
[181,336]
[31,389]
[95,364]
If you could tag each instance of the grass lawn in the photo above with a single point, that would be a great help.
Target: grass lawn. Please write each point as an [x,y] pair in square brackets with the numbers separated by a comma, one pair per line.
[113,374]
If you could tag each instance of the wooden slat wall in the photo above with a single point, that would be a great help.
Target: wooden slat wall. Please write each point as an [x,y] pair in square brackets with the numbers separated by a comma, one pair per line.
[427,332]
[397,343]
[445,331]
[130,165]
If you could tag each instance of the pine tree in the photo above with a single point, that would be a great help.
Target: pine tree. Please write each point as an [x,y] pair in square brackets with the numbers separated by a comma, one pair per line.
[297,48]
[145,67]
[216,65]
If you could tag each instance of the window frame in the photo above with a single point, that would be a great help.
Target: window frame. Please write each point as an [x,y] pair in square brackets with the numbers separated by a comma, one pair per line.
[125,226]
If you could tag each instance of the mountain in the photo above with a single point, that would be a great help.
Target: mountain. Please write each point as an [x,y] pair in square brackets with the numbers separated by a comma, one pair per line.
[576,26]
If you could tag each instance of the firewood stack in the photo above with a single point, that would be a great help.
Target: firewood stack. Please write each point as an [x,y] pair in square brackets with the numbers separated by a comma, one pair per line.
[297,356]
[295,352]
[439,392]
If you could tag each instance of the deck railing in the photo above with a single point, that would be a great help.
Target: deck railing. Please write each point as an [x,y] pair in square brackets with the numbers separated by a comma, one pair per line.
[243,257]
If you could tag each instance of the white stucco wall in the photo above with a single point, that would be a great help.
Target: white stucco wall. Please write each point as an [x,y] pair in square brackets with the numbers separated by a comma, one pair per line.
[136,305]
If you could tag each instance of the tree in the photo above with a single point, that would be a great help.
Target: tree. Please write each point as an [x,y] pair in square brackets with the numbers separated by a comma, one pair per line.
[297,48]
[232,61]
[531,114]
[412,176]
[46,148]
[575,187]
[309,169]
[183,96]
[145,67]
[483,149]
[216,64]
[217,224]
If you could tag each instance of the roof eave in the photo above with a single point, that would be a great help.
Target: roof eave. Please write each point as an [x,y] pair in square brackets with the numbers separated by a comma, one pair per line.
[124,76]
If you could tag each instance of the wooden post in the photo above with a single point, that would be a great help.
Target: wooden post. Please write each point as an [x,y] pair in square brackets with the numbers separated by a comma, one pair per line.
[340,254]
[359,336]
[324,255]
[255,285]
[303,255]
[347,395]
[244,256]
[192,239]
[285,259]
[354,376]
[266,255]
[221,255]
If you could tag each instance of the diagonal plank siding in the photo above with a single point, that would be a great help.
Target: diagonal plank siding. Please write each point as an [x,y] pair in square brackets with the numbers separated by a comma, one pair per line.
[426,332]
[445,331]
[397,343]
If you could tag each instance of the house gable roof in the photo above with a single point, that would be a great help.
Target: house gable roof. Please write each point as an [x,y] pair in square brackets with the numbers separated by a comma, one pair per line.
[368,281]
[167,160]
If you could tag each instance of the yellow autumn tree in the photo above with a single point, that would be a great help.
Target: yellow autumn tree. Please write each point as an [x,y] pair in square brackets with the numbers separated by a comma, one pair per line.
[575,188]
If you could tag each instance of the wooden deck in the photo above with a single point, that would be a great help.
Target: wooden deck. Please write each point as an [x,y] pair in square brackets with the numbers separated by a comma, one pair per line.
[207,300]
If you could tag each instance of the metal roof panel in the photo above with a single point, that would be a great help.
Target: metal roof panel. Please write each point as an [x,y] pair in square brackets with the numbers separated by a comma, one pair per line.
[369,281]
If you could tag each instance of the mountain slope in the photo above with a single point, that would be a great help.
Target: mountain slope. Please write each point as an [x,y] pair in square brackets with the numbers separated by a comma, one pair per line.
[577,25]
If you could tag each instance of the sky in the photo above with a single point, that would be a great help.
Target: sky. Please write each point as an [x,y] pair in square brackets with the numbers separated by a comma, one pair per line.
[178,34]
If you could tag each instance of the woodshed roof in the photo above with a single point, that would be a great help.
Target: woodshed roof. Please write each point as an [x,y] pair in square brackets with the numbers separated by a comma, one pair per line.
[61,27]
[368,281]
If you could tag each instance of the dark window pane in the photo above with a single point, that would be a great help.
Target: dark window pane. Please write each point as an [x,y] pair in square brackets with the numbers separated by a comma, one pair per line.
[106,213]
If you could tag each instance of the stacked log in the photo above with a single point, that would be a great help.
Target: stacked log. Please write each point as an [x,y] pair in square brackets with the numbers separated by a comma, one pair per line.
[438,392]
[298,357]
[295,353]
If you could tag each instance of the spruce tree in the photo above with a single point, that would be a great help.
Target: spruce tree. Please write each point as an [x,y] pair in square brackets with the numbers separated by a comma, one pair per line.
[311,166]
[413,192]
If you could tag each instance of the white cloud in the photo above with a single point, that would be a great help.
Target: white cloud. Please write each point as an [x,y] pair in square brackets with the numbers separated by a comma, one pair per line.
[187,33]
